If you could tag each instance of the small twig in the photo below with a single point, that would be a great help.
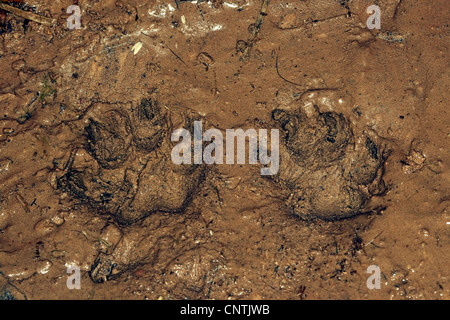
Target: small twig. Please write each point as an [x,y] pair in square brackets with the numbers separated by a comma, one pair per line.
[278,73]
[28,15]
[258,24]
[22,201]
[177,56]
[371,241]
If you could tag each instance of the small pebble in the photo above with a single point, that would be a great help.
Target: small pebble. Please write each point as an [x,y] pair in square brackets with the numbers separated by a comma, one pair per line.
[4,220]
[424,232]
[57,220]
[205,58]
[18,65]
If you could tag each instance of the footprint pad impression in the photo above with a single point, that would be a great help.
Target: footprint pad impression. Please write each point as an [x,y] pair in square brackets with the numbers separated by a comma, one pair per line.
[124,168]
[330,173]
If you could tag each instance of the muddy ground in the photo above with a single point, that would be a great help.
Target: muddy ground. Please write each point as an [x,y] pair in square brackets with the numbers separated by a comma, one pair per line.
[87,179]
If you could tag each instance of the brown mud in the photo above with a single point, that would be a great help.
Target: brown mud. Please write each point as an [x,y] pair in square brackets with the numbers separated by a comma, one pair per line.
[87,179]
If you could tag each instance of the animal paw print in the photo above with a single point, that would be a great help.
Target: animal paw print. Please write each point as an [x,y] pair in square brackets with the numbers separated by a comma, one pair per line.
[124,168]
[330,173]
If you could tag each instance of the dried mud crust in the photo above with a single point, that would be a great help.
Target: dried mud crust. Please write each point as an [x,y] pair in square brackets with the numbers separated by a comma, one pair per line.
[124,168]
[330,173]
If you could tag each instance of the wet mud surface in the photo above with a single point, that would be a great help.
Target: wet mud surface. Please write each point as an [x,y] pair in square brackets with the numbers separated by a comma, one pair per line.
[87,178]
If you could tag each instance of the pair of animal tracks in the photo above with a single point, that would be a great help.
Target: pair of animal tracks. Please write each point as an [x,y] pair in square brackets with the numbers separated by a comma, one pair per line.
[124,169]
